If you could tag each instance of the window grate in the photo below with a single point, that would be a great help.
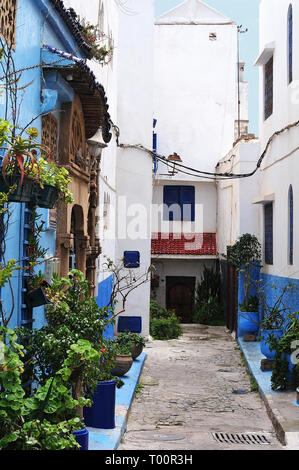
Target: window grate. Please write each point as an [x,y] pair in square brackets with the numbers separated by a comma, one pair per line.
[247,439]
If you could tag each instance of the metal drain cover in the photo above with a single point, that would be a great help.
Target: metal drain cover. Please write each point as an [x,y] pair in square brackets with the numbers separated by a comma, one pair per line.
[236,438]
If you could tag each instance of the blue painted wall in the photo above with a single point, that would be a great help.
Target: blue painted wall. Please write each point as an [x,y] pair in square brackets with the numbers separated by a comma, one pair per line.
[103,299]
[38,23]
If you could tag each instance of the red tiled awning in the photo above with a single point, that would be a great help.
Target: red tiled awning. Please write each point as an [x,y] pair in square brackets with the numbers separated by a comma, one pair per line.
[184,244]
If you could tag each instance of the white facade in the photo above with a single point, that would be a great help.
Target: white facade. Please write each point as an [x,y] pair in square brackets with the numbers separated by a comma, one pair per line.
[280,167]
[125,177]
[236,213]
[195,104]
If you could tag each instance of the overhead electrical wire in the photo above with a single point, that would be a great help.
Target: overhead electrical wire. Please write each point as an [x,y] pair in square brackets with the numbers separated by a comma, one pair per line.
[201,173]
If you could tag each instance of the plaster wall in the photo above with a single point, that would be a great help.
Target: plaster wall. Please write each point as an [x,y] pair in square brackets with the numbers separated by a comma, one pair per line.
[280,167]
[195,92]
[236,213]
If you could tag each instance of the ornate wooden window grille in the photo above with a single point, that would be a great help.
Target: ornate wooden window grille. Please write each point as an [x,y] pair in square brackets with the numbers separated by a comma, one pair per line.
[8,13]
[78,146]
[50,134]
[268,95]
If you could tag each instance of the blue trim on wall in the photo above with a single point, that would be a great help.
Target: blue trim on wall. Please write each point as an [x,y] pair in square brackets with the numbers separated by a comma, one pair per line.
[103,299]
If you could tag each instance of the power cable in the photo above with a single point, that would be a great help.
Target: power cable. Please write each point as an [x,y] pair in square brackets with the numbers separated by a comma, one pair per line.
[211,175]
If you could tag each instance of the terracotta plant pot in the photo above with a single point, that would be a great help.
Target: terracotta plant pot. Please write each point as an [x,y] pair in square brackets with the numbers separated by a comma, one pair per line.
[123,365]
[136,350]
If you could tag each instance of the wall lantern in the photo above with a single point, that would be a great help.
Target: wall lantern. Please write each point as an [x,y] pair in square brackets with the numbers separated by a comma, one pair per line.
[96,144]
[173,159]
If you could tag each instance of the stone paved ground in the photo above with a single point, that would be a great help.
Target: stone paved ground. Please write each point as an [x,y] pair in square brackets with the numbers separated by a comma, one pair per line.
[192,387]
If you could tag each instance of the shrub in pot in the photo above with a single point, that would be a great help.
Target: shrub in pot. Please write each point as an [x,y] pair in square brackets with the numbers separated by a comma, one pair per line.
[123,359]
[285,373]
[102,412]
[135,341]
[274,318]
[245,255]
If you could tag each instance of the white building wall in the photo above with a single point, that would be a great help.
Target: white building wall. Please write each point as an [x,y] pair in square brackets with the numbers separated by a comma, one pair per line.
[135,121]
[195,92]
[125,178]
[236,213]
[280,167]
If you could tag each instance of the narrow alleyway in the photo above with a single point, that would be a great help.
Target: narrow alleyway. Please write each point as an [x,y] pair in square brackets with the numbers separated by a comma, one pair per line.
[191,388]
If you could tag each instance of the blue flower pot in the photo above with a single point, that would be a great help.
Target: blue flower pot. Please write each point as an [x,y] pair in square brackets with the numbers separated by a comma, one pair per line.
[248,323]
[265,346]
[102,413]
[82,438]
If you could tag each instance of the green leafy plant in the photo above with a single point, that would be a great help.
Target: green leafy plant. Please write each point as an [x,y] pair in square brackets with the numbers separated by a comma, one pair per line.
[129,338]
[57,176]
[208,309]
[244,255]
[45,420]
[285,346]
[164,324]
[276,313]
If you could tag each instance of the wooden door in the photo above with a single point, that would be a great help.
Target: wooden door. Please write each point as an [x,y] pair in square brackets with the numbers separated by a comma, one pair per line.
[180,297]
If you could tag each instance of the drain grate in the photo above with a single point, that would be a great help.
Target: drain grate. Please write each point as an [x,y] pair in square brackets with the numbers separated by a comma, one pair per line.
[248,438]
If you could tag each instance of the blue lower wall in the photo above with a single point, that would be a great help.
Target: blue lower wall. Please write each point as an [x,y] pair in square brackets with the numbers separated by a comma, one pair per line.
[103,299]
[291,299]
[272,287]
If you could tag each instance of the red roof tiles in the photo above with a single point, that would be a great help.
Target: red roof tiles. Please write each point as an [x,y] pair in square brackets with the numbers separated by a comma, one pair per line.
[184,244]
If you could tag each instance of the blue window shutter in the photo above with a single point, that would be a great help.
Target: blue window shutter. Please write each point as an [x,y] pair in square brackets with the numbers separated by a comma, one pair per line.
[131,259]
[268,214]
[188,203]
[291,226]
[171,197]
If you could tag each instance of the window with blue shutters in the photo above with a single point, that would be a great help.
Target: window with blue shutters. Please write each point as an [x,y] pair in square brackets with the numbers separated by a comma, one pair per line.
[291,225]
[290,44]
[268,218]
[179,203]
[268,88]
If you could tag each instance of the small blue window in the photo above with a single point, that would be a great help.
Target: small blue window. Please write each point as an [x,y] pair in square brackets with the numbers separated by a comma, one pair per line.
[131,259]
[290,44]
[291,225]
[268,217]
[179,203]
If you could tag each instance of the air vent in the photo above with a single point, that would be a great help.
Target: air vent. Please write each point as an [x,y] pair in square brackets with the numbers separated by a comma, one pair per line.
[247,439]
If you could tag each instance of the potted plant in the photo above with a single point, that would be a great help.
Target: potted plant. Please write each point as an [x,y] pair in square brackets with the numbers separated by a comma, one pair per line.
[245,255]
[285,373]
[54,181]
[274,318]
[124,359]
[36,180]
[37,291]
[135,341]
[21,156]
[102,412]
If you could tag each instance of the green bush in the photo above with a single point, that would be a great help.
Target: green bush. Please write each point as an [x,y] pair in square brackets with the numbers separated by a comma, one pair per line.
[165,328]
[209,313]
[208,309]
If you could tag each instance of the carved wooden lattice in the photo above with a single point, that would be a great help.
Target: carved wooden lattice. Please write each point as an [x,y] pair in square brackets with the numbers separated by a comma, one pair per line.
[78,145]
[8,11]
[50,134]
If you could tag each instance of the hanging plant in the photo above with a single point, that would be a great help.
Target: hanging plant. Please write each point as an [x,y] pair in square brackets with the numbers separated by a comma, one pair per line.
[97,40]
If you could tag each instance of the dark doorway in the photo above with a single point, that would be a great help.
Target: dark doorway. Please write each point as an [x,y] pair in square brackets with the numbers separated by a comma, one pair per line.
[180,297]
